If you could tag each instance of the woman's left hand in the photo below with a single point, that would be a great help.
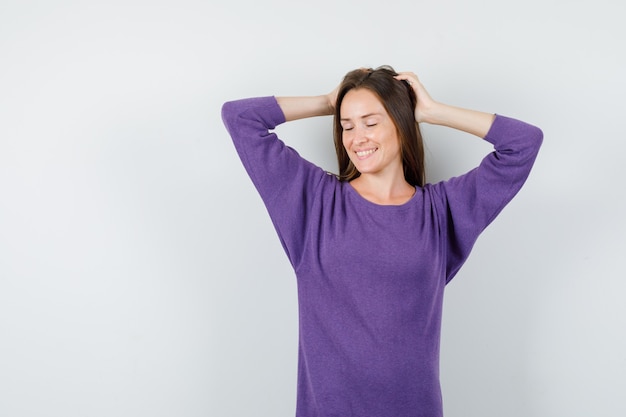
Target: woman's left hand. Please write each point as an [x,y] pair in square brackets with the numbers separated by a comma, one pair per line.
[425,103]
[430,111]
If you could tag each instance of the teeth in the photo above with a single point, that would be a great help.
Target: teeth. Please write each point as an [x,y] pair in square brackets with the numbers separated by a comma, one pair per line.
[365,153]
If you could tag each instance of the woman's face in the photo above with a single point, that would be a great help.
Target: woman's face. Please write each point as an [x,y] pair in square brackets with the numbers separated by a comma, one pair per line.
[369,135]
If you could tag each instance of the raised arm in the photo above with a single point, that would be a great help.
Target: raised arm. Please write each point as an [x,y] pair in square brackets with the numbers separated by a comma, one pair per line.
[469,202]
[295,108]
[433,112]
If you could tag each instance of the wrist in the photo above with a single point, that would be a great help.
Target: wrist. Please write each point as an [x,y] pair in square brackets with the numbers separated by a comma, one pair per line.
[433,113]
[331,102]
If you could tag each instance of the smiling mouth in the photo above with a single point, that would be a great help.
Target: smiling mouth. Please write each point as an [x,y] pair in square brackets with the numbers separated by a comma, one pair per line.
[366,153]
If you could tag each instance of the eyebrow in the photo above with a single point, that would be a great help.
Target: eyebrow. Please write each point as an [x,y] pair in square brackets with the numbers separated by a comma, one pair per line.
[343,119]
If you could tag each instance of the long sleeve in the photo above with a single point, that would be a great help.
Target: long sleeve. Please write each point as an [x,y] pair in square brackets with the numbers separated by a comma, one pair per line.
[285,181]
[371,277]
[470,202]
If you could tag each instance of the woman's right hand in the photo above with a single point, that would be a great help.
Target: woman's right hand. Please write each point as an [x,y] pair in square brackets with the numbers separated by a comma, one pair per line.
[295,108]
[332,100]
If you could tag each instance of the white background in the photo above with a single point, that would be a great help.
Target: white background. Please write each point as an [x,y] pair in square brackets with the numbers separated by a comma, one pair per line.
[140,274]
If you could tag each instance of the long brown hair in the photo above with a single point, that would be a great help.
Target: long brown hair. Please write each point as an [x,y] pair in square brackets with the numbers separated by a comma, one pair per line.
[399,100]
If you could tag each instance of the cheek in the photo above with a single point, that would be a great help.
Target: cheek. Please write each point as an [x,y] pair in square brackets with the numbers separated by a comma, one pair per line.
[346,146]
[394,140]
[345,139]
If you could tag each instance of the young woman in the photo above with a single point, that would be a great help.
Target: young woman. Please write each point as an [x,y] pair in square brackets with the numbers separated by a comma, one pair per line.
[374,246]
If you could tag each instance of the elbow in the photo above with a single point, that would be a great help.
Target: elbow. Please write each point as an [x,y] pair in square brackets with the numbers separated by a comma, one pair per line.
[228,112]
[531,139]
[537,137]
[232,112]
[534,140]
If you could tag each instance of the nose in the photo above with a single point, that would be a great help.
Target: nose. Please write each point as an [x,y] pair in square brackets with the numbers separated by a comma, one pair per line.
[359,136]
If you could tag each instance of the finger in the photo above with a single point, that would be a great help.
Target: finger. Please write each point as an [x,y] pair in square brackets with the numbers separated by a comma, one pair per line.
[409,77]
[406,74]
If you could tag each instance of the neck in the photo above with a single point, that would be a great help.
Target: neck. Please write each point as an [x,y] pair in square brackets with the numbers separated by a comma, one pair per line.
[384,191]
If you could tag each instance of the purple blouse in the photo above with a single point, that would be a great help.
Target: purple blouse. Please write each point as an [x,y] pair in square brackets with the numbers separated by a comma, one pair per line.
[371,277]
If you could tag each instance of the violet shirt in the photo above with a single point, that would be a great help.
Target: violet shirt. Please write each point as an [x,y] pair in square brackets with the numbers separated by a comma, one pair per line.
[371,277]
